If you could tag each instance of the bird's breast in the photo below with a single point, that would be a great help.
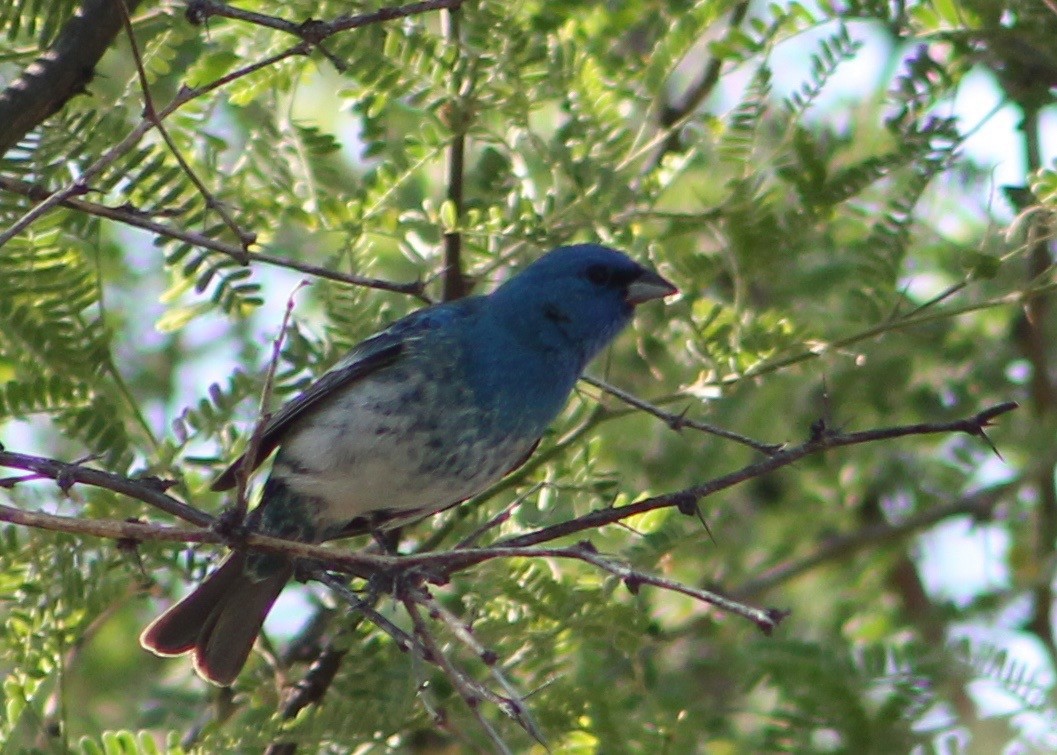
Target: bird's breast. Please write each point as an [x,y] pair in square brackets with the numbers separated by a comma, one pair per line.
[408,440]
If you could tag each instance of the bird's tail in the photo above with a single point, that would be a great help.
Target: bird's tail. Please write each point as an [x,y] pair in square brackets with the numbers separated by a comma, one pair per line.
[219,621]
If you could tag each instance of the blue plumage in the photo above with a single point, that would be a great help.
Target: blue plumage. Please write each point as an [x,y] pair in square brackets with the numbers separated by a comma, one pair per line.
[423,415]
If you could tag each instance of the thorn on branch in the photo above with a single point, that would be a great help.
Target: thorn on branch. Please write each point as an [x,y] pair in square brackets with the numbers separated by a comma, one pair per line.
[586,546]
[986,419]
[197,12]
[678,421]
[819,430]
[774,617]
[65,480]
[687,505]
[313,30]
[984,436]
[9,482]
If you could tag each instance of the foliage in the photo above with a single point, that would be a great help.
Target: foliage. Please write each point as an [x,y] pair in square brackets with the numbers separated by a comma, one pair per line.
[838,258]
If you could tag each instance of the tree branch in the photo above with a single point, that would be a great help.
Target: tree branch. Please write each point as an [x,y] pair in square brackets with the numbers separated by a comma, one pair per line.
[149,490]
[672,115]
[140,219]
[246,238]
[63,71]
[979,506]
[686,500]
[109,528]
[678,421]
[364,564]
[313,31]
[454,282]
[1032,331]
[406,572]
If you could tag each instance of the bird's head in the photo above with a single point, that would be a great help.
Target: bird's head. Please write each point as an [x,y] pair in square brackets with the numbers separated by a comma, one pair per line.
[577,297]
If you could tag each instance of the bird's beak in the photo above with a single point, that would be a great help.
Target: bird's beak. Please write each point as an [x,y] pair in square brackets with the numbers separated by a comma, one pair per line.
[648,286]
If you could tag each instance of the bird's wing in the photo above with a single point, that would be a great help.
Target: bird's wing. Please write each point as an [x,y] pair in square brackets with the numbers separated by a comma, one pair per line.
[368,357]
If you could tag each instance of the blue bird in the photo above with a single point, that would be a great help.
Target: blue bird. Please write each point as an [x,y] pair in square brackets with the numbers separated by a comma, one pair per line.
[427,413]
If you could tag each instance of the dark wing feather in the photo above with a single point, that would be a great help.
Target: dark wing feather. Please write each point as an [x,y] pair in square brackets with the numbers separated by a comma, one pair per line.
[370,356]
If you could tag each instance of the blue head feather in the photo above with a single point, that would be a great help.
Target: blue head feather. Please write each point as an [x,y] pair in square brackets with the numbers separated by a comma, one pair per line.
[545,324]
[573,300]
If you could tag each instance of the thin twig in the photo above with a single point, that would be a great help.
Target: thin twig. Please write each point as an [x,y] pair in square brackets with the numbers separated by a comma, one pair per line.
[140,219]
[513,704]
[499,518]
[452,276]
[672,116]
[403,640]
[312,30]
[249,459]
[1014,298]
[151,114]
[678,421]
[149,490]
[687,498]
[447,561]
[470,691]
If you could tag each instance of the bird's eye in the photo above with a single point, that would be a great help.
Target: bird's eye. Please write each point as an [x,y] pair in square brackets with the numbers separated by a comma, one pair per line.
[600,275]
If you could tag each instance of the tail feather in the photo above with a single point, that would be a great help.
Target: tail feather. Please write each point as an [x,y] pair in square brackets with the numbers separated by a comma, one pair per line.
[219,621]
[176,631]
[227,637]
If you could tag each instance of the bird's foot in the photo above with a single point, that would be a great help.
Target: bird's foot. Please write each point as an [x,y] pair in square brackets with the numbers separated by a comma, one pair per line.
[231,524]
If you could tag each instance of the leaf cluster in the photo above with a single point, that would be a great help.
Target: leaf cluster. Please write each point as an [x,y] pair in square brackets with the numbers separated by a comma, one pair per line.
[836,261]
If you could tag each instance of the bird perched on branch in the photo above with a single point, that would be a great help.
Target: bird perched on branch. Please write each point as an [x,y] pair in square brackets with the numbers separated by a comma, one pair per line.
[425,414]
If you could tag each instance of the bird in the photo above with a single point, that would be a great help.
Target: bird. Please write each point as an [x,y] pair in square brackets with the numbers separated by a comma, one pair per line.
[417,418]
